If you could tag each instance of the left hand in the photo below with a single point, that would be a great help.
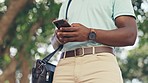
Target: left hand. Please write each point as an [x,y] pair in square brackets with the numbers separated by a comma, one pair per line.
[76,33]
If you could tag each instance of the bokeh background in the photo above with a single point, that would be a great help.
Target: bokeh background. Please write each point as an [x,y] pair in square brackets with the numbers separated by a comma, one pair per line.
[26,29]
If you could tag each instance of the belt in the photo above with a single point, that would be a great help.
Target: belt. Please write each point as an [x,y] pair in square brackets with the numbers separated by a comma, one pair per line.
[86,51]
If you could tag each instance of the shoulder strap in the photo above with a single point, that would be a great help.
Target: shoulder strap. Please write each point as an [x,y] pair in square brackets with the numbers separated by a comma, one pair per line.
[47,58]
[67,8]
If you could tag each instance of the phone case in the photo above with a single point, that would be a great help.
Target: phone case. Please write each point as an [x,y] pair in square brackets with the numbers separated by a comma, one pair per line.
[61,23]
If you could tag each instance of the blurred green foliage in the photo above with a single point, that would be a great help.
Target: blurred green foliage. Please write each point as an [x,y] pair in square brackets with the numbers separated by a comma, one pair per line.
[135,66]
[32,29]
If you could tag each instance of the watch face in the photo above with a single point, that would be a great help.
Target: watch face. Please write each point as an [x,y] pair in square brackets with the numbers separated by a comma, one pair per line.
[92,36]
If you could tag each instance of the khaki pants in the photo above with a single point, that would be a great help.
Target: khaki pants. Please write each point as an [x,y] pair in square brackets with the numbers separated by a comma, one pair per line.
[94,68]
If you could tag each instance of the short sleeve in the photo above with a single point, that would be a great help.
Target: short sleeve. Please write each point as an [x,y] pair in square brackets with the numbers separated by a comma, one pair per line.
[123,7]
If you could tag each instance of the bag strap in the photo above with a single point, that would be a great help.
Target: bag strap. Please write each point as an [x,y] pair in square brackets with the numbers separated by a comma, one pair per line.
[67,8]
[47,58]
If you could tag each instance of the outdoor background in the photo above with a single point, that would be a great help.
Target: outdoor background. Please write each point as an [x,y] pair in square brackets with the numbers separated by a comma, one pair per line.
[26,29]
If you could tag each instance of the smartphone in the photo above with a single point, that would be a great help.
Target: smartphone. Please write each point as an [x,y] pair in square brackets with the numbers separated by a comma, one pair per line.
[61,23]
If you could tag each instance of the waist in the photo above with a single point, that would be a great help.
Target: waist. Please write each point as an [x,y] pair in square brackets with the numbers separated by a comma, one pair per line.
[74,45]
[87,51]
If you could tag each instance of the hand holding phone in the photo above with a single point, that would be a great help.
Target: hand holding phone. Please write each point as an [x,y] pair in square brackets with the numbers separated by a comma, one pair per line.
[61,23]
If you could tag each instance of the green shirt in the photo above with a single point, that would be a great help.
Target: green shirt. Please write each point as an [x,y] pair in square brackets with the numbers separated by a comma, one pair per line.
[98,14]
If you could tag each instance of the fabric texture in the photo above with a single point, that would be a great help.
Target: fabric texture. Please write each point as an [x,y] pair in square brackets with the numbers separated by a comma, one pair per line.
[97,68]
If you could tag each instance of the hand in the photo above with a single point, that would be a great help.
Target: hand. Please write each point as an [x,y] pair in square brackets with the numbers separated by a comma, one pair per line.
[76,33]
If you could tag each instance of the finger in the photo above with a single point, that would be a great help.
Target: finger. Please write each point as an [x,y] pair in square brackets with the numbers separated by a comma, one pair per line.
[70,39]
[67,34]
[62,41]
[57,32]
[60,36]
[68,29]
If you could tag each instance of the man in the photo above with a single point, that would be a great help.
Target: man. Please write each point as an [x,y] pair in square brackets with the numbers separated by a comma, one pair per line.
[97,26]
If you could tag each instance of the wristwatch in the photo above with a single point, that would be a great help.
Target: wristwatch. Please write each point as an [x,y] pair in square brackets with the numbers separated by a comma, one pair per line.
[92,34]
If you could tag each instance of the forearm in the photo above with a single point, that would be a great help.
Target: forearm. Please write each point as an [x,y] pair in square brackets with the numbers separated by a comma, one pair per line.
[124,35]
[118,37]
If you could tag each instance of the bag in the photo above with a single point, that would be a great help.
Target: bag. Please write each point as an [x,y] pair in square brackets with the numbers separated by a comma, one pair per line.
[43,71]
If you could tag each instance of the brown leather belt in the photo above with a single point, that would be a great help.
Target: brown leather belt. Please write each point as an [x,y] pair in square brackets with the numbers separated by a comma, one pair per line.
[87,51]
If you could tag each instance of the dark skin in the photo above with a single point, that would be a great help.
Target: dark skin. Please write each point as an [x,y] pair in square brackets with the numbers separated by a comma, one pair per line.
[124,35]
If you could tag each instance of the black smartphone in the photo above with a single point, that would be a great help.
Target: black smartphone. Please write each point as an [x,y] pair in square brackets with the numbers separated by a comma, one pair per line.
[61,23]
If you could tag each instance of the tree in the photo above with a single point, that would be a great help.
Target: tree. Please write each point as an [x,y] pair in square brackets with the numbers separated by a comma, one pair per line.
[25,25]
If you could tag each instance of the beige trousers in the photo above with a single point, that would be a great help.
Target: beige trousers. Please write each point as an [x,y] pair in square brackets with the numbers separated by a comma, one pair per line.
[96,68]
